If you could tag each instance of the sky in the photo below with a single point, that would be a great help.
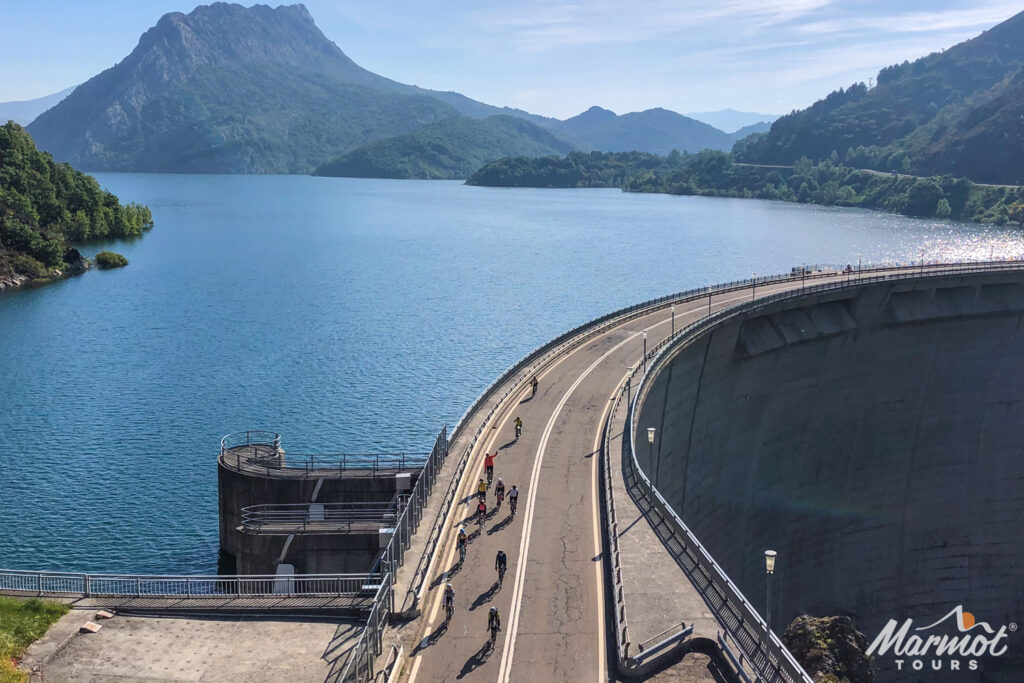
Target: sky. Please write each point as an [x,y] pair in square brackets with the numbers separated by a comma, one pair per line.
[550,58]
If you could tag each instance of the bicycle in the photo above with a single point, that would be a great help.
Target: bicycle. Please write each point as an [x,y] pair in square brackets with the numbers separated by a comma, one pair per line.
[494,628]
[512,505]
[501,576]
[490,476]
[481,515]
[519,431]
[500,496]
[462,553]
[449,610]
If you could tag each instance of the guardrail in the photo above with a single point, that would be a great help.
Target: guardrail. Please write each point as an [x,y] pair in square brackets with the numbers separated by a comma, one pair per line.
[360,662]
[259,452]
[760,649]
[66,584]
[393,556]
[319,518]
[533,361]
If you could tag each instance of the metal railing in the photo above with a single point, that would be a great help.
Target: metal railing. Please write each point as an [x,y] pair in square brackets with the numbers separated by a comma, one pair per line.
[67,584]
[319,518]
[259,452]
[359,666]
[760,649]
[535,360]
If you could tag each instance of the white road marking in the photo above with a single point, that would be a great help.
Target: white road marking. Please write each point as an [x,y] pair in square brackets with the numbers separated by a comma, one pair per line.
[506,661]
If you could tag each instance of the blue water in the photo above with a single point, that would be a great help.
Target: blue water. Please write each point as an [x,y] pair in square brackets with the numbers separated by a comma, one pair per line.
[348,315]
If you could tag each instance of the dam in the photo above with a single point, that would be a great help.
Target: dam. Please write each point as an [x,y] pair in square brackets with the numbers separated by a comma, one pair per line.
[860,423]
[871,435]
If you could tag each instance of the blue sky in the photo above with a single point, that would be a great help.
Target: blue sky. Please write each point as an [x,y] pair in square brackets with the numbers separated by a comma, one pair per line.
[551,58]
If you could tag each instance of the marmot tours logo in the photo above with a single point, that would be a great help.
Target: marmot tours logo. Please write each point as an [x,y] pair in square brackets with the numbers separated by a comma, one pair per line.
[944,648]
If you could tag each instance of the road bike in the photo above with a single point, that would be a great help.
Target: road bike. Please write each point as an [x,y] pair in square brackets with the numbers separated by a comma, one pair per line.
[449,610]
[512,506]
[501,576]
[500,496]
[494,633]
[462,553]
[519,431]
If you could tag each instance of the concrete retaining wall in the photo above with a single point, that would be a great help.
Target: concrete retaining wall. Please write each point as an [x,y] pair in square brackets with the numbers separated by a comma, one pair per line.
[243,553]
[873,437]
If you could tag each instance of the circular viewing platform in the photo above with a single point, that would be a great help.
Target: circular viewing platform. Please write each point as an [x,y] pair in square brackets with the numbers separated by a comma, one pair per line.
[258,453]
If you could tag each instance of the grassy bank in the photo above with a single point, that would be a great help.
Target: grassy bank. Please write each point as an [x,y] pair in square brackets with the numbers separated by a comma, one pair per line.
[21,623]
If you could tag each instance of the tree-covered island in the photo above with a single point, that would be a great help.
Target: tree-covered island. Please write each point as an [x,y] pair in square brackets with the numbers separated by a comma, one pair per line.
[45,207]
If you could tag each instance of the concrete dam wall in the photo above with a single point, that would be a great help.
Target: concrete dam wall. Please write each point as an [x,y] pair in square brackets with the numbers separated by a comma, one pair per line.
[874,437]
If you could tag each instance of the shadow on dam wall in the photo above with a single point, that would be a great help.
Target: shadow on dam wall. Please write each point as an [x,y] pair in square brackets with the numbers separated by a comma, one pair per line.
[874,437]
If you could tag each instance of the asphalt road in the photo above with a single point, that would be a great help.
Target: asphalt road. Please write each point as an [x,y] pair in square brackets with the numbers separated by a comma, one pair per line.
[552,600]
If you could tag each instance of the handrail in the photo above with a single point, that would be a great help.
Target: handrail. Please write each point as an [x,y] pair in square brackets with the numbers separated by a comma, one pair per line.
[184,586]
[267,460]
[289,518]
[743,623]
[359,664]
[533,361]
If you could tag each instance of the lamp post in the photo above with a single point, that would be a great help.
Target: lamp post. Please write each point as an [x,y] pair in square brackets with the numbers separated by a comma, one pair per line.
[673,320]
[803,276]
[858,266]
[922,261]
[753,288]
[709,301]
[645,352]
[650,451]
[769,569]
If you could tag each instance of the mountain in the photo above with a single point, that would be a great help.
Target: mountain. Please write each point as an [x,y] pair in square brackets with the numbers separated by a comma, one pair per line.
[236,90]
[452,148]
[762,127]
[25,111]
[730,120]
[45,205]
[958,112]
[658,131]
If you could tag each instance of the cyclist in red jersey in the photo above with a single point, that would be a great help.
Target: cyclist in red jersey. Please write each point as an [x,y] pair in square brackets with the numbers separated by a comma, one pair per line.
[489,464]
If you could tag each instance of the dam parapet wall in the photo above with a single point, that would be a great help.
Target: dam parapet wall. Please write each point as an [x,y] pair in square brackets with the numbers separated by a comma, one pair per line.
[871,434]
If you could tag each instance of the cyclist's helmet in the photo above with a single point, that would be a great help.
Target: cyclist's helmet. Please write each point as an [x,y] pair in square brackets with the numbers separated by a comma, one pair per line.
[449,586]
[494,610]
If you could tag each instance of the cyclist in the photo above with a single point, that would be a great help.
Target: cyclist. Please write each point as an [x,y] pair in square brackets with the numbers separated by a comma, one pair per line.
[499,491]
[462,541]
[501,564]
[481,490]
[513,499]
[489,465]
[494,623]
[533,385]
[519,426]
[481,512]
[449,602]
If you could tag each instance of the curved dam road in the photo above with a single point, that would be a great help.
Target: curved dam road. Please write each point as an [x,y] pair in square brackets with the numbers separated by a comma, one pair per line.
[552,599]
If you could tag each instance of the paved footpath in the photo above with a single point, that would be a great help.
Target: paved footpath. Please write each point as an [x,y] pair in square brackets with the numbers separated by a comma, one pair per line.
[552,600]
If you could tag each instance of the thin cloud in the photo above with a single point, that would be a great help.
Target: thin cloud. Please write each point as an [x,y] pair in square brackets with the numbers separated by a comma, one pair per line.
[914,22]
[543,25]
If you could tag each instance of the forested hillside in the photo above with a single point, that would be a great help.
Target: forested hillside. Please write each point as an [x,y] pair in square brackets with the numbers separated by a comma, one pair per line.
[712,173]
[44,206]
[452,148]
[959,112]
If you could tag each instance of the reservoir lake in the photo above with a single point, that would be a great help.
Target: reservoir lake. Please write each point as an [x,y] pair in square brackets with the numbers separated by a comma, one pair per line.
[350,315]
